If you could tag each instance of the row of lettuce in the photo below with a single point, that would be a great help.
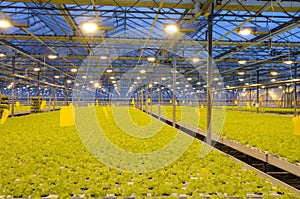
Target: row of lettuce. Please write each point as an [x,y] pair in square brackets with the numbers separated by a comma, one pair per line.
[39,158]
[266,132]
[283,111]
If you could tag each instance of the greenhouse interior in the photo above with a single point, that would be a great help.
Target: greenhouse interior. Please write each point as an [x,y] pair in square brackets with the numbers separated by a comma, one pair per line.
[149,99]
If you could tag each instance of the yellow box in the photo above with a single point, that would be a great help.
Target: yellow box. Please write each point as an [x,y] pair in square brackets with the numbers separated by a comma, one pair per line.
[4,116]
[66,116]
[43,105]
[296,121]
[248,104]
[18,104]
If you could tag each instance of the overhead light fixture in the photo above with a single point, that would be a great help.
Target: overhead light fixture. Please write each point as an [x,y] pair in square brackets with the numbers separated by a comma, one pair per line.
[89,27]
[241,79]
[36,69]
[103,57]
[69,81]
[142,71]
[273,80]
[150,85]
[84,77]
[5,23]
[244,31]
[289,62]
[163,78]
[174,28]
[56,76]
[151,59]
[187,28]
[280,87]
[109,70]
[171,28]
[51,56]
[138,78]
[106,26]
[114,81]
[96,85]
[247,30]
[242,62]
[91,81]
[189,78]
[241,73]
[112,77]
[195,59]
[274,73]
[2,54]
[74,70]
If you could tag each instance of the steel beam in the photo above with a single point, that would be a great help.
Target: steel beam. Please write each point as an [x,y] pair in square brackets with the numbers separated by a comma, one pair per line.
[252,5]
[252,62]
[84,40]
[276,31]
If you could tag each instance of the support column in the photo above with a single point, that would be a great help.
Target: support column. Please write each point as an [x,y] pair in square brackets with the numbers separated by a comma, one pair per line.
[209,75]
[146,93]
[28,96]
[174,87]
[257,93]
[295,90]
[159,100]
[250,97]
[39,85]
[232,99]
[13,86]
[288,96]
[2,87]
[54,98]
[53,94]
[267,97]
[66,92]
[142,98]
[151,99]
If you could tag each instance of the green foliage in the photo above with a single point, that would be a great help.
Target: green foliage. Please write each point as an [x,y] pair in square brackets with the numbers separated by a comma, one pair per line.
[272,133]
[282,111]
[38,158]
